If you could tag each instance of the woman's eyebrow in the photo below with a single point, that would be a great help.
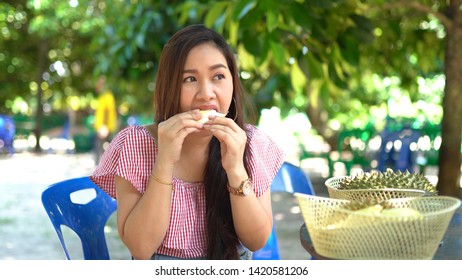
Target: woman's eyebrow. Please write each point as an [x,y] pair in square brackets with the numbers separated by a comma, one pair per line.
[213,67]
[216,66]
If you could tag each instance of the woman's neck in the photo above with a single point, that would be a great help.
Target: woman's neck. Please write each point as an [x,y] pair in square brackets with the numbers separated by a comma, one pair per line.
[193,159]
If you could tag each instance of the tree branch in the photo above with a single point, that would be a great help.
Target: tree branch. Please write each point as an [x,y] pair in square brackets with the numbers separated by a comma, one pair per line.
[445,21]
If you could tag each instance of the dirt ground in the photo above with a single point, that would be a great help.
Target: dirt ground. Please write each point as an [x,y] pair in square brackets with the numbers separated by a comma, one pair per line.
[287,216]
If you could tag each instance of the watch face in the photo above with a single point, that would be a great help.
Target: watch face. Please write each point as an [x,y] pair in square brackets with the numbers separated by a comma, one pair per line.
[246,188]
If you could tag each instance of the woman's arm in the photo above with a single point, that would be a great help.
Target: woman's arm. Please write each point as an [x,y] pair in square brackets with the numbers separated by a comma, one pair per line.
[142,220]
[252,216]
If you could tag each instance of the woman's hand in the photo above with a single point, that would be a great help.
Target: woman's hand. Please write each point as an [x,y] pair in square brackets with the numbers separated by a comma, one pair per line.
[233,140]
[172,132]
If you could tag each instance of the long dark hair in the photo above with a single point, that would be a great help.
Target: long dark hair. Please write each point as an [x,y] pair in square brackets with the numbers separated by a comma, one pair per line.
[222,240]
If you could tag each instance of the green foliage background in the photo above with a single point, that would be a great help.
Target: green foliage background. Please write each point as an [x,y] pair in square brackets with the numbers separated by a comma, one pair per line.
[327,55]
[345,63]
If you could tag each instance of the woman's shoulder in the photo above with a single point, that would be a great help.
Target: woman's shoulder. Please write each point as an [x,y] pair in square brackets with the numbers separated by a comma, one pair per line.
[256,134]
[264,156]
[135,133]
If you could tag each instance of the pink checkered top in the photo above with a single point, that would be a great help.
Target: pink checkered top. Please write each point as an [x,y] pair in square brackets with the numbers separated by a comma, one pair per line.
[132,154]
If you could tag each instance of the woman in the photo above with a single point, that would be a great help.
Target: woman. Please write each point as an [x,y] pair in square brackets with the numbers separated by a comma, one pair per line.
[188,189]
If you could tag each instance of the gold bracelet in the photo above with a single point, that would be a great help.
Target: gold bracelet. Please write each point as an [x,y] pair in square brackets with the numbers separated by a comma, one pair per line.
[159,181]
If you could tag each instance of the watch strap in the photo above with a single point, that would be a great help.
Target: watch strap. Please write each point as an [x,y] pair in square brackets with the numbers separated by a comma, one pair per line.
[239,191]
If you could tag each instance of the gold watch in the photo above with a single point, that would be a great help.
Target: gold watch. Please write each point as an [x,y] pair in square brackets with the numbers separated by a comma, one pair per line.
[243,190]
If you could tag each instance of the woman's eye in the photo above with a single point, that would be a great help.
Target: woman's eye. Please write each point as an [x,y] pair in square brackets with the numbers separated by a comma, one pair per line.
[219,77]
[189,79]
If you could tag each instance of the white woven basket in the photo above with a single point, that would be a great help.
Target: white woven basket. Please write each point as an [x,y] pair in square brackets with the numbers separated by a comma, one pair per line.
[339,233]
[332,185]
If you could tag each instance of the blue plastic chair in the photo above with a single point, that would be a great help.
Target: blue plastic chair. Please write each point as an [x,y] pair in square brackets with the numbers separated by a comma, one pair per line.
[402,159]
[7,133]
[291,179]
[83,207]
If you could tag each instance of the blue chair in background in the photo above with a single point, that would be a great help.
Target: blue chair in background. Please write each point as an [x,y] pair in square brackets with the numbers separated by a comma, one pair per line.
[291,179]
[396,152]
[7,133]
[83,207]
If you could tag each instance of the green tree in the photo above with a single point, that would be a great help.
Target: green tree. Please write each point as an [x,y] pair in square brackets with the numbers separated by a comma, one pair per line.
[43,46]
[336,44]
[15,56]
[421,38]
[322,57]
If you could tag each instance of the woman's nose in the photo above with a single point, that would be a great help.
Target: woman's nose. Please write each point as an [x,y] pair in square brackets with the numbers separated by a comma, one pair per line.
[206,90]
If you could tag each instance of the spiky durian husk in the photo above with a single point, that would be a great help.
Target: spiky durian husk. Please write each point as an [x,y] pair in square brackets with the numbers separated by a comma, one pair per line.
[387,179]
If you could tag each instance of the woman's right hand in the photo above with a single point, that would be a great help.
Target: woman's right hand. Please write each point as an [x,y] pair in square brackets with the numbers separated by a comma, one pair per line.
[172,132]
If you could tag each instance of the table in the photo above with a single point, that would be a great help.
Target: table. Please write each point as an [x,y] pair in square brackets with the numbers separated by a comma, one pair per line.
[449,249]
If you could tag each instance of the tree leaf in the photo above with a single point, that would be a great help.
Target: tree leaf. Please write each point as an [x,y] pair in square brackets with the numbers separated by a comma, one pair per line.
[272,21]
[315,67]
[242,8]
[214,13]
[279,55]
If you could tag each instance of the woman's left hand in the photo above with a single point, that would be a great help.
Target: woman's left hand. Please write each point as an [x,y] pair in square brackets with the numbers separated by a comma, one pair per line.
[232,139]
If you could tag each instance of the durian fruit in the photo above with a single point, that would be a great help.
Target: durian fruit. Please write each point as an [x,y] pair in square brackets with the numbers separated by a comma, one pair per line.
[387,179]
[372,209]
[375,210]
[207,113]
[382,208]
[401,212]
[372,204]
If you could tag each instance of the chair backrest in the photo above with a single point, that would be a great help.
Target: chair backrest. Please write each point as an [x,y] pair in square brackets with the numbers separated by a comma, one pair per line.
[290,178]
[7,132]
[83,207]
[398,156]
